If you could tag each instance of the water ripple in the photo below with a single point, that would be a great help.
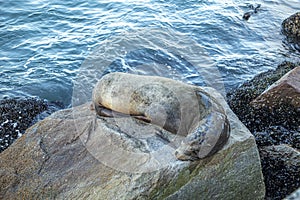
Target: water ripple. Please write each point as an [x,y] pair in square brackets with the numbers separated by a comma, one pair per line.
[43,43]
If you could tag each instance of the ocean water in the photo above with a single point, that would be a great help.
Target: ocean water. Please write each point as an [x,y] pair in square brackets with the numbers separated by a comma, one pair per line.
[57,50]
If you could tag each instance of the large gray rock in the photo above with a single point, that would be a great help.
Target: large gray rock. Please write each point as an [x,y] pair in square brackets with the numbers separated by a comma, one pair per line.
[74,155]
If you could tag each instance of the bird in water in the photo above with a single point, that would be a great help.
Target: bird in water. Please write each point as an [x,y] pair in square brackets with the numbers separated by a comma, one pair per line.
[248,14]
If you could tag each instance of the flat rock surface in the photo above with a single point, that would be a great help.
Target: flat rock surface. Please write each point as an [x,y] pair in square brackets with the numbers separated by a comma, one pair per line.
[74,155]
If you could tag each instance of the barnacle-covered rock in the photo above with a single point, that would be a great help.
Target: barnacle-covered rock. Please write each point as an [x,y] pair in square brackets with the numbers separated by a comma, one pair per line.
[291,27]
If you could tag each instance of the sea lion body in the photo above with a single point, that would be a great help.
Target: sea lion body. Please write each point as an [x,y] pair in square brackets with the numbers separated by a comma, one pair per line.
[177,107]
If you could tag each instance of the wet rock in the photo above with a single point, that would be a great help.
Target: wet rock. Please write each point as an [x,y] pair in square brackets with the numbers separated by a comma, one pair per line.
[74,155]
[276,126]
[284,92]
[275,135]
[16,116]
[262,119]
[281,169]
[291,27]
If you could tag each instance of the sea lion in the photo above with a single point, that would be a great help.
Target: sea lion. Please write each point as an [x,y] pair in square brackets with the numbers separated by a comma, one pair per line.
[177,107]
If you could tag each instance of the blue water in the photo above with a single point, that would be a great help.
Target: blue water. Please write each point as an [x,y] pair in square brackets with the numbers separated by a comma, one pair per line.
[51,49]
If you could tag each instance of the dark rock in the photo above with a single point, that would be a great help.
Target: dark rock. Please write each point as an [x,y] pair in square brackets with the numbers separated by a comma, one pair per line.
[261,119]
[17,114]
[275,135]
[285,91]
[291,27]
[281,169]
[279,125]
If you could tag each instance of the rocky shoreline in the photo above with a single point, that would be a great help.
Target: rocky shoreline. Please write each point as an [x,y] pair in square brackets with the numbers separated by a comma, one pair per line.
[276,131]
[18,114]
[275,128]
[269,105]
[291,31]
[73,154]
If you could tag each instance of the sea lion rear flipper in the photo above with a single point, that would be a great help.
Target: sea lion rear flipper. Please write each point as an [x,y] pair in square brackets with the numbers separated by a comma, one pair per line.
[210,134]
